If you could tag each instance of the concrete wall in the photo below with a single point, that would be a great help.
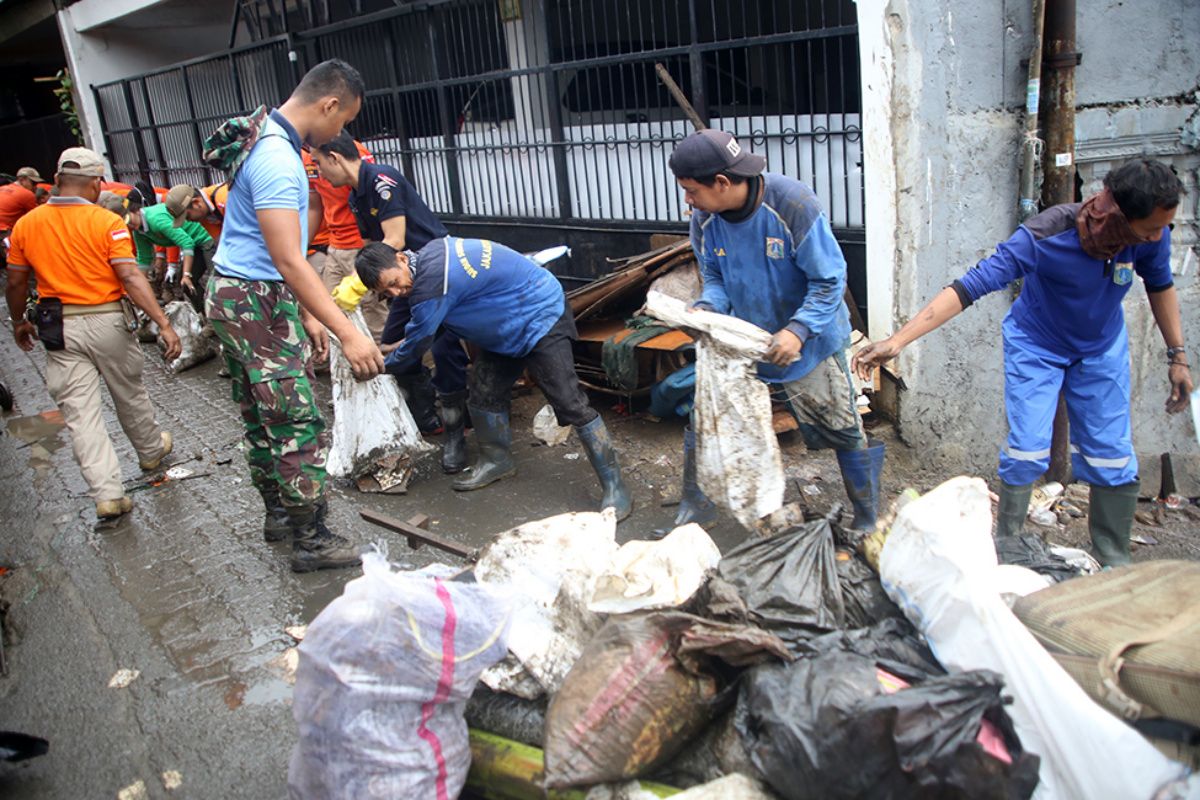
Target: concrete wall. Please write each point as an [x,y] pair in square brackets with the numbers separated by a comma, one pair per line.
[943,92]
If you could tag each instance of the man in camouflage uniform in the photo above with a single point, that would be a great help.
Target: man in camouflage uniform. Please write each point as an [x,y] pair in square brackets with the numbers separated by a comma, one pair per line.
[271,314]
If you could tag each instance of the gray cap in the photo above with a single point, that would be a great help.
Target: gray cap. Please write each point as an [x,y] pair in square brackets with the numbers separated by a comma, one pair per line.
[711,151]
[88,163]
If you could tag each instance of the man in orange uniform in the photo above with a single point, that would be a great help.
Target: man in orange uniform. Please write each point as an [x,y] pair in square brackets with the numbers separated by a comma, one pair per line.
[17,198]
[329,206]
[82,257]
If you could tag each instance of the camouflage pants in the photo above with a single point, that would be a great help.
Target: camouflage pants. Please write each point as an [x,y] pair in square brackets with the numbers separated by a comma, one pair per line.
[266,350]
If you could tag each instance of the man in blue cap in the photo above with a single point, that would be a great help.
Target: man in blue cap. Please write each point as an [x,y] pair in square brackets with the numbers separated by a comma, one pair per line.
[768,256]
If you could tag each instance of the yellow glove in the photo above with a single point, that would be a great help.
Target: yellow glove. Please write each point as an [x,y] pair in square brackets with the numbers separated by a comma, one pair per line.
[349,293]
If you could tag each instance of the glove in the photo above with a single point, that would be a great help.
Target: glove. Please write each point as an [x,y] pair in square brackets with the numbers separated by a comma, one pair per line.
[171,272]
[349,293]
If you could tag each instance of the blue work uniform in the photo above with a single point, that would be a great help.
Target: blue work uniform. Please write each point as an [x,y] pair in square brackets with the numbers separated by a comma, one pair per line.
[1067,331]
[383,193]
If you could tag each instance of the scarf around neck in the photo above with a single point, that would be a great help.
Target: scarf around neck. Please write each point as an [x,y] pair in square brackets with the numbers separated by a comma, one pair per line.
[1103,229]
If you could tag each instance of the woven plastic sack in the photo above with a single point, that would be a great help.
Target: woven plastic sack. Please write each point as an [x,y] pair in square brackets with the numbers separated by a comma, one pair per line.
[196,346]
[384,676]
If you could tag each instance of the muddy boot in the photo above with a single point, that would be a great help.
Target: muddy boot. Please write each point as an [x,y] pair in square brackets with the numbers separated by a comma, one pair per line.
[418,392]
[495,457]
[168,444]
[276,525]
[1110,518]
[314,546]
[1014,507]
[861,470]
[694,505]
[603,456]
[454,418]
[111,509]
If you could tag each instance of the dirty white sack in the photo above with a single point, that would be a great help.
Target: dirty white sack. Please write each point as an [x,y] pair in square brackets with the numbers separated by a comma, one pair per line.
[196,346]
[371,422]
[550,567]
[731,787]
[547,429]
[738,463]
[939,565]
[661,574]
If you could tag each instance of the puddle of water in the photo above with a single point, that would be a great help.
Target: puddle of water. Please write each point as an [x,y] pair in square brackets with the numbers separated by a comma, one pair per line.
[41,433]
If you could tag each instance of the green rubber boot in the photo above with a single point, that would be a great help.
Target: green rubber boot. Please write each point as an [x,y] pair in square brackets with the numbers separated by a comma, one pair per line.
[1014,507]
[1110,518]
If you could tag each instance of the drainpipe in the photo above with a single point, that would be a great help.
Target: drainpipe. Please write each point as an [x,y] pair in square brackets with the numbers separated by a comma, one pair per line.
[1058,165]
[1030,144]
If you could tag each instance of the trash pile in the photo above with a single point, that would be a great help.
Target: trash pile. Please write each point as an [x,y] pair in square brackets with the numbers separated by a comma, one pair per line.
[808,662]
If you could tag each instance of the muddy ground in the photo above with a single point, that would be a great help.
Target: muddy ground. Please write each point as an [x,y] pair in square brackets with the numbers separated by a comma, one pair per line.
[186,592]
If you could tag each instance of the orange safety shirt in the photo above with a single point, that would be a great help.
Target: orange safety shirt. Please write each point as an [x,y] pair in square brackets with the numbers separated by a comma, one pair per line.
[71,245]
[15,202]
[215,198]
[321,237]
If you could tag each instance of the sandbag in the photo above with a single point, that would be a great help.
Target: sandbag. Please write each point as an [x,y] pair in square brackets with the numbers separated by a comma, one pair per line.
[645,575]
[383,678]
[788,582]
[550,567]
[375,440]
[196,344]
[632,701]
[738,462]
[939,565]
[1097,619]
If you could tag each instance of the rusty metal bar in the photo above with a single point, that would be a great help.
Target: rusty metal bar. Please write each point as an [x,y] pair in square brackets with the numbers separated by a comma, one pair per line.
[416,536]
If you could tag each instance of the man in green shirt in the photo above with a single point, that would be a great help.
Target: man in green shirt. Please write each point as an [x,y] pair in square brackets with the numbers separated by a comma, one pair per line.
[159,227]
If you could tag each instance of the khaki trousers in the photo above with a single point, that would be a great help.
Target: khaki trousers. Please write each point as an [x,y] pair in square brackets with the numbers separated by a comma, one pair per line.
[98,346]
[340,264]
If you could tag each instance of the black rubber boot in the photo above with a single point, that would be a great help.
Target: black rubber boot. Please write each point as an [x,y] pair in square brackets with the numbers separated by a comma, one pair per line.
[861,470]
[418,392]
[1110,518]
[694,505]
[454,419]
[314,546]
[276,524]
[495,457]
[1014,507]
[603,456]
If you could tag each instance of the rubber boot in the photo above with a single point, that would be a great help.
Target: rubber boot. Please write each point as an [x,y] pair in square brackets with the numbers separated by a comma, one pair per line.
[314,546]
[1110,518]
[418,391]
[1014,507]
[495,457]
[454,419]
[861,470]
[694,505]
[603,456]
[276,525]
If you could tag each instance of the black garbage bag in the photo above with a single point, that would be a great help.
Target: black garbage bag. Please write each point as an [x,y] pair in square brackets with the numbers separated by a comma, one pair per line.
[863,596]
[508,715]
[1029,550]
[788,583]
[826,727]
[893,644]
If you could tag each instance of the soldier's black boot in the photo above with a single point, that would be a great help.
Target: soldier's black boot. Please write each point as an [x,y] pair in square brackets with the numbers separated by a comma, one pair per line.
[418,392]
[454,420]
[314,546]
[276,525]
[603,457]
[494,437]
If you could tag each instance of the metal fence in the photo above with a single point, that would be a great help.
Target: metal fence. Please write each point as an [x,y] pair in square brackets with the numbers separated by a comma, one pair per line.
[539,109]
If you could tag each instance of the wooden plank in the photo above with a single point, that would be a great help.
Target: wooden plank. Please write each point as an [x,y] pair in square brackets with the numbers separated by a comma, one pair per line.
[415,535]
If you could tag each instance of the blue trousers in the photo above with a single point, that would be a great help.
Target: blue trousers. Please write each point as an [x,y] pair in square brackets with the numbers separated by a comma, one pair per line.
[1097,394]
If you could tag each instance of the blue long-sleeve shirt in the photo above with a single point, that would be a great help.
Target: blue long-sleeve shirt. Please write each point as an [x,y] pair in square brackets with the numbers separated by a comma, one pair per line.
[779,268]
[480,291]
[1070,302]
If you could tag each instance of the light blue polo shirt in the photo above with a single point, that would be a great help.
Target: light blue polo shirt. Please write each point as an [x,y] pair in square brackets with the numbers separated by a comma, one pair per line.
[272,176]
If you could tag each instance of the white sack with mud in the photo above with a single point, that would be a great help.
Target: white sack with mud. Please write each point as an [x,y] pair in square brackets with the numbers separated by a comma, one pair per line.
[738,463]
[197,344]
[375,440]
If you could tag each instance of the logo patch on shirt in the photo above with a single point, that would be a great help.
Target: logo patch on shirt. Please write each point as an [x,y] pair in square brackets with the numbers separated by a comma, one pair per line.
[1123,273]
[719,251]
[774,247]
[121,234]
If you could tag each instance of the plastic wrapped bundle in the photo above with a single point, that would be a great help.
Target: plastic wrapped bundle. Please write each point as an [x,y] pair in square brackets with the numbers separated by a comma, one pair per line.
[197,343]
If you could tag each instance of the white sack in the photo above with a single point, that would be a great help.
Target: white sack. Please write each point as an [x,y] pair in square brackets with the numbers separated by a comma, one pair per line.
[547,429]
[196,346]
[371,423]
[661,574]
[738,463]
[939,565]
[550,567]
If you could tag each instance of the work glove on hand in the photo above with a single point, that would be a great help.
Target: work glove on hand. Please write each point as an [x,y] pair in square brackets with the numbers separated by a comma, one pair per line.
[349,293]
[171,272]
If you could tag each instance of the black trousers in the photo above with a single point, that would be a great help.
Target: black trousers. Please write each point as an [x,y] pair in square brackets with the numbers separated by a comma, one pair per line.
[551,363]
